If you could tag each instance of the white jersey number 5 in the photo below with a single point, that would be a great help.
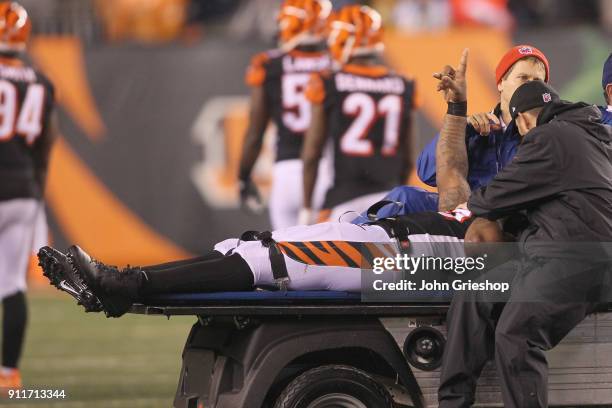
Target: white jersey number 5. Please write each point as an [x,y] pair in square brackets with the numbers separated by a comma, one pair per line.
[297,113]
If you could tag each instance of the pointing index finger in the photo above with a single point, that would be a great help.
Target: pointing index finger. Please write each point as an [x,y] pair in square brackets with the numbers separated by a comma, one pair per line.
[463,62]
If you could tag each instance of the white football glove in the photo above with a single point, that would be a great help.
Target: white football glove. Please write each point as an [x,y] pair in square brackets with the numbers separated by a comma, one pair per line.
[305,216]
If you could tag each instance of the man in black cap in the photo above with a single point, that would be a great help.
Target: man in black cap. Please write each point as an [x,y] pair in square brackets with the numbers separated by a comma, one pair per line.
[561,180]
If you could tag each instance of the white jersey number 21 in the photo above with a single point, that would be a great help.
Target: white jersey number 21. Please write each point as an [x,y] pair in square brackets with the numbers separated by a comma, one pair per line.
[366,111]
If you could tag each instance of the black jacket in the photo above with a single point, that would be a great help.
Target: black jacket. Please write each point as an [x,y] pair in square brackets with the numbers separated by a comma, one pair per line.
[561,178]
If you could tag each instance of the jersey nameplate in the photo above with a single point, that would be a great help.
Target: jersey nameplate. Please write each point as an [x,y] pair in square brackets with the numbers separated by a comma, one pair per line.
[352,83]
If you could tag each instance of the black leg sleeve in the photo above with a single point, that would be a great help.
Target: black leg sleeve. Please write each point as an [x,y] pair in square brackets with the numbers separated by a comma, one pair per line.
[218,274]
[169,265]
[14,319]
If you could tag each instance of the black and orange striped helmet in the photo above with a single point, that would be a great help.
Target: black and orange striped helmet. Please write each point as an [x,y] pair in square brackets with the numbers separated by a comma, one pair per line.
[355,30]
[15,25]
[302,21]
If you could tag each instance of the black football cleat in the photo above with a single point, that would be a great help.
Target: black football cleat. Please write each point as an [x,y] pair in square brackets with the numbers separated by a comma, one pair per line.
[116,289]
[57,268]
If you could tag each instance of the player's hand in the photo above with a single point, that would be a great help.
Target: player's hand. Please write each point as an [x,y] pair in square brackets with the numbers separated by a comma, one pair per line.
[249,197]
[452,81]
[305,216]
[483,123]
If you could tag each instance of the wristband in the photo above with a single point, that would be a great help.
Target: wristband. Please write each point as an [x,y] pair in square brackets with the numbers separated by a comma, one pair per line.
[457,108]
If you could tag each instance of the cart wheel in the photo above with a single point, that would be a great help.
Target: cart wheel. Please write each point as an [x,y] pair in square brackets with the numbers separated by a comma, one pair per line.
[334,386]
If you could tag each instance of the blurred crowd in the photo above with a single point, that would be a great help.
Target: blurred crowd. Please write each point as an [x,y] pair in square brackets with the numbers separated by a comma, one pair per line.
[167,20]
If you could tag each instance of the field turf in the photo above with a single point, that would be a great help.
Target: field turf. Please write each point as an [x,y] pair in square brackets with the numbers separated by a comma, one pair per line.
[130,362]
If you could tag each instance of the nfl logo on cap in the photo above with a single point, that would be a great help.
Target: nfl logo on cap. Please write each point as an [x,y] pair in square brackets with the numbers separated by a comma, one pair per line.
[525,50]
[546,97]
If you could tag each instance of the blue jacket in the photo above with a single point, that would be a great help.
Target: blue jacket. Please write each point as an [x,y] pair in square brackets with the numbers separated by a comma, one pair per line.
[487,155]
[606,115]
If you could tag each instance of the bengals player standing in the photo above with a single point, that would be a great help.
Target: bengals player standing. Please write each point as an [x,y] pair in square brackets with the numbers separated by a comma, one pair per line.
[367,110]
[26,134]
[278,79]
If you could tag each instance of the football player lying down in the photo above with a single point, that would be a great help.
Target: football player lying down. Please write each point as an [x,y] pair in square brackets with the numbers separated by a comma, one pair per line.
[325,256]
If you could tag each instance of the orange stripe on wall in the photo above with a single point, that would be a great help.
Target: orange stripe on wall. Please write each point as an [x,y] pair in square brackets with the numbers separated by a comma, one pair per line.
[61,59]
[91,216]
[420,55]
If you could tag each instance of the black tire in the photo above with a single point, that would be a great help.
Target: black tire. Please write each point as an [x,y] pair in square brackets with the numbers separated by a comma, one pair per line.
[334,386]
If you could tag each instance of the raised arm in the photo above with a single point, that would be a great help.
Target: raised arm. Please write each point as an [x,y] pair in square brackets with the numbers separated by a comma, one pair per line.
[451,152]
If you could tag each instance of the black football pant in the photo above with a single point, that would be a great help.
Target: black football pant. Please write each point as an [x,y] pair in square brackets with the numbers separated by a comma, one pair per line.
[212,272]
[547,300]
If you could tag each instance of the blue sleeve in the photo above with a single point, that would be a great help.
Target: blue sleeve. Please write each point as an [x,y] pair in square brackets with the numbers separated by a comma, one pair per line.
[407,200]
[426,163]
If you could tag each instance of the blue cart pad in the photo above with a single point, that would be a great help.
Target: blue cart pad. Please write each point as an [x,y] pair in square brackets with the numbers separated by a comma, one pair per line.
[256,296]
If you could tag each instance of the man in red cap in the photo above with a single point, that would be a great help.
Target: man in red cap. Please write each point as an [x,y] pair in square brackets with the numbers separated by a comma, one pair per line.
[521,64]
[488,155]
